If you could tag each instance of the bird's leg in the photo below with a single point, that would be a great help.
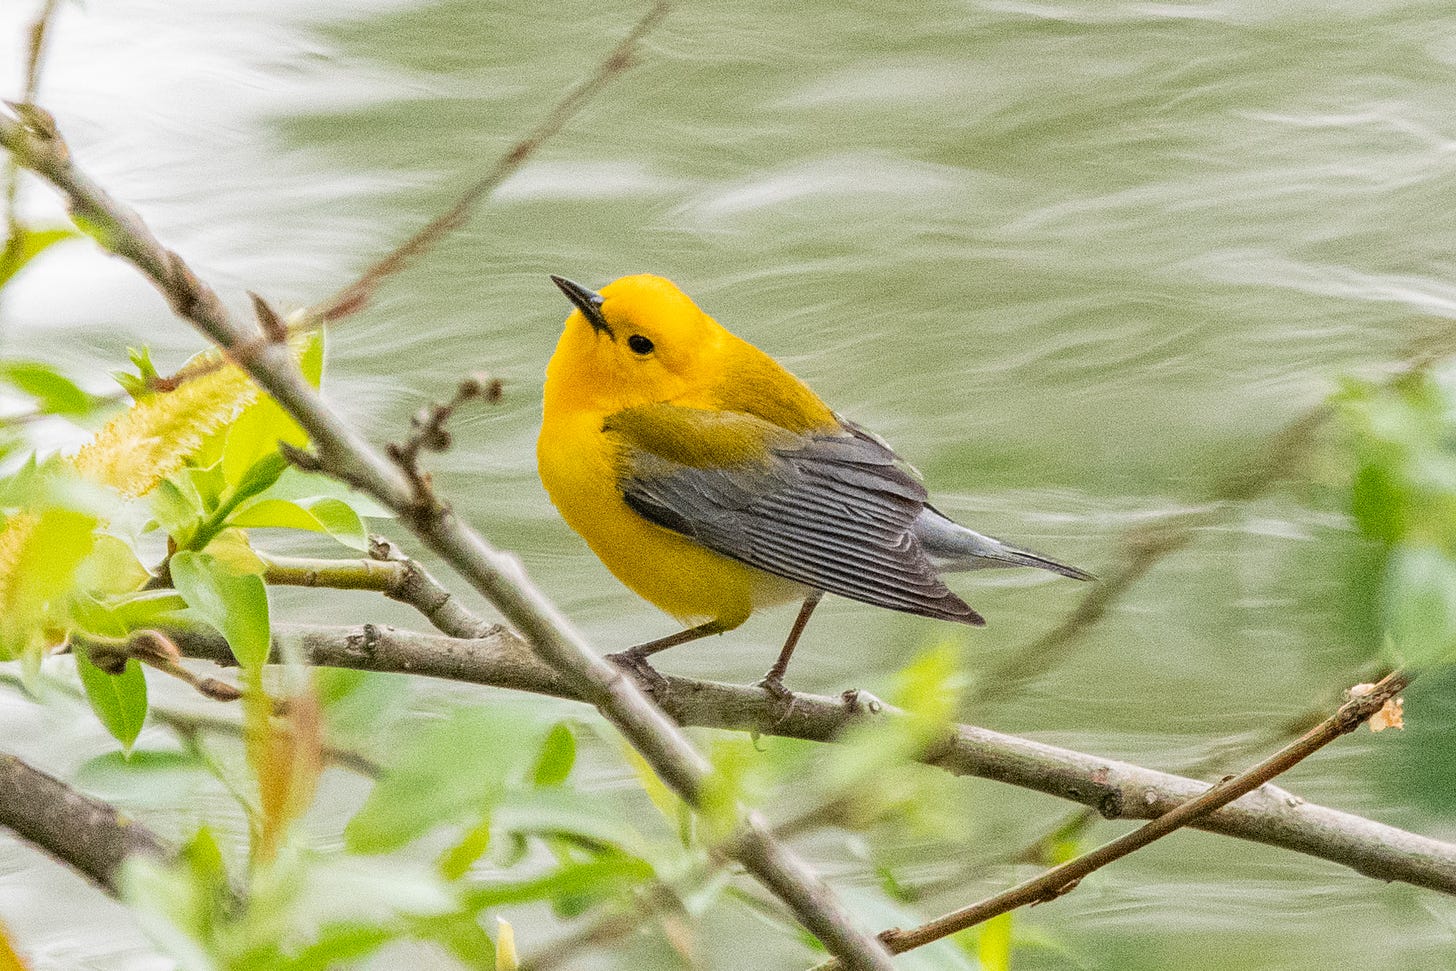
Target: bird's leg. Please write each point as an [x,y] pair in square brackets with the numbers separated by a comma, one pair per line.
[634,659]
[773,682]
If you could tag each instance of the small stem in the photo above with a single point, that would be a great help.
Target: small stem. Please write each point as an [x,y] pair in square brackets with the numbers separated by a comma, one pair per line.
[209,528]
[155,650]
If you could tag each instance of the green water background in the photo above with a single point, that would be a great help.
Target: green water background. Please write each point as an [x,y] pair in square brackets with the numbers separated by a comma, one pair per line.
[1078,261]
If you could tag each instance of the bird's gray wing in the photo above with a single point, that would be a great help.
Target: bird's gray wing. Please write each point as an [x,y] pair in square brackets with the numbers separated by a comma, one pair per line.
[831,509]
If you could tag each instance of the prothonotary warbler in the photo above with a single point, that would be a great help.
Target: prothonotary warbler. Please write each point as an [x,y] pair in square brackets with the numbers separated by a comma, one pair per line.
[713,482]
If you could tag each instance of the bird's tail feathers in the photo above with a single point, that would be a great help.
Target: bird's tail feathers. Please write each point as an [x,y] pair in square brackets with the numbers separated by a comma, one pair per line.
[953,547]
[1011,556]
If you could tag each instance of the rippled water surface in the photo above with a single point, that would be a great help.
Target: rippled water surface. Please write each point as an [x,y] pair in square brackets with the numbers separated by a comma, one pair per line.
[1076,260]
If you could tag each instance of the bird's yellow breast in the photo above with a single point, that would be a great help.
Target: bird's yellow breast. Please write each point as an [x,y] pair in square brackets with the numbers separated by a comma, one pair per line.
[578,466]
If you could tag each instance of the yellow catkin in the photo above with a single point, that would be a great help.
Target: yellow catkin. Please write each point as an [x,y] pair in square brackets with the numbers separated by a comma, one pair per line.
[145,444]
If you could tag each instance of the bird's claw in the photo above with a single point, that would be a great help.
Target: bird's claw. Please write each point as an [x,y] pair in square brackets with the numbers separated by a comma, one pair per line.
[646,675]
[778,692]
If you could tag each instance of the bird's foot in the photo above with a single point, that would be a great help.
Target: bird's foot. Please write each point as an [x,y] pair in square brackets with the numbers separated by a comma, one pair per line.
[774,685]
[647,675]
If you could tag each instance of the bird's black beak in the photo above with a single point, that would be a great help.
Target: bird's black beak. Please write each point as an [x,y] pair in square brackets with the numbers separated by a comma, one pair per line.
[589,302]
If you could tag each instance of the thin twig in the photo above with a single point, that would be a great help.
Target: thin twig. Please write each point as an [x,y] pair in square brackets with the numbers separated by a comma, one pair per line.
[34,61]
[345,455]
[154,649]
[1117,790]
[1062,879]
[357,295]
[1147,544]
[428,433]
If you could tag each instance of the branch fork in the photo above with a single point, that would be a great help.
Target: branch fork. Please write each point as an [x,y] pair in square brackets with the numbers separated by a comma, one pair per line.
[428,434]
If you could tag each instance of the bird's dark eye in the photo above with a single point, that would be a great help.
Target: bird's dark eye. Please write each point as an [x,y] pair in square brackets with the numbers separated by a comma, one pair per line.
[639,344]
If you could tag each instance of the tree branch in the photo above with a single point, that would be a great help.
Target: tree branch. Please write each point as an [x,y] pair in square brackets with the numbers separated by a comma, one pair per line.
[1063,879]
[91,836]
[1146,544]
[1117,790]
[357,295]
[388,572]
[15,233]
[343,453]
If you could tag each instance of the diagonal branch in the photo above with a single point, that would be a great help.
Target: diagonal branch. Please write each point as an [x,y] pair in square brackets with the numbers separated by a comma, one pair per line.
[1117,790]
[1063,879]
[357,295]
[92,836]
[1147,544]
[38,34]
[344,454]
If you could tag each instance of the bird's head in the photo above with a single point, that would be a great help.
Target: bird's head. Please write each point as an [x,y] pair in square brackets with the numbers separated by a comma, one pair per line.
[639,340]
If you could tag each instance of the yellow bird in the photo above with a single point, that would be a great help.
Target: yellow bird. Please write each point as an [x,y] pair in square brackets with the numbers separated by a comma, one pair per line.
[713,482]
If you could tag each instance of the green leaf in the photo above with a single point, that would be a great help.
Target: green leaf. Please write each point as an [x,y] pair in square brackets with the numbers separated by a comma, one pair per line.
[601,876]
[362,707]
[335,686]
[567,814]
[144,609]
[304,487]
[139,762]
[165,898]
[176,509]
[230,548]
[558,755]
[236,604]
[32,243]
[427,784]
[202,860]
[339,945]
[1420,604]
[55,393]
[311,358]
[993,943]
[141,383]
[254,435]
[662,797]
[208,483]
[461,935]
[146,778]
[458,859]
[112,567]
[332,516]
[41,577]
[261,476]
[929,688]
[120,701]
[340,521]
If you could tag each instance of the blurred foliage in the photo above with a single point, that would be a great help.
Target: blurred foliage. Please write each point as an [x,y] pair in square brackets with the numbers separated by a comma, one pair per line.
[1401,437]
[1401,440]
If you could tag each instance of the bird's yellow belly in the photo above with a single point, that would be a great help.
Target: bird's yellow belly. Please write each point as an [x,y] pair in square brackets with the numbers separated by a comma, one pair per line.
[683,578]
